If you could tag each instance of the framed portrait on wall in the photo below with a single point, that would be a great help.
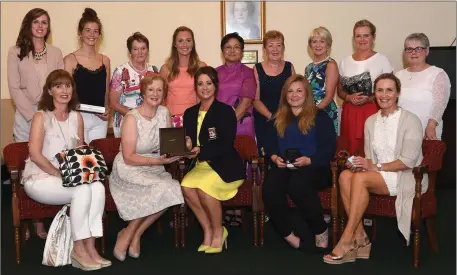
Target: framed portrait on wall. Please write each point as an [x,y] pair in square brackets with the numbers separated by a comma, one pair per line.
[247,18]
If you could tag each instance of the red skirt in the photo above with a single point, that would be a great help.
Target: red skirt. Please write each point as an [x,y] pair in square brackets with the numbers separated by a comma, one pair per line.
[352,123]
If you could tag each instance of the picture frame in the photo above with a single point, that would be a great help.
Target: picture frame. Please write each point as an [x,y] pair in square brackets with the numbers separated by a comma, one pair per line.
[247,18]
[250,57]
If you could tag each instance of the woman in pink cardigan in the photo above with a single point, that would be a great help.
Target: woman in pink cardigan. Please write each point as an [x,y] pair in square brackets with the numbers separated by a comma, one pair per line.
[28,65]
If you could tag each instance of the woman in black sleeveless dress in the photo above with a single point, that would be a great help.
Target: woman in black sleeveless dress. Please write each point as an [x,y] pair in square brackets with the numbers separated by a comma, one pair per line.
[90,71]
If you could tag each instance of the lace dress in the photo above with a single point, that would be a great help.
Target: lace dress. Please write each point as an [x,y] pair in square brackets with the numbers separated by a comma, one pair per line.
[425,94]
[384,143]
[140,191]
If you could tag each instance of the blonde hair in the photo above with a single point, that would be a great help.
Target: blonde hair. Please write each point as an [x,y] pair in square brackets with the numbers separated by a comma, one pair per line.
[321,32]
[284,115]
[364,23]
[273,35]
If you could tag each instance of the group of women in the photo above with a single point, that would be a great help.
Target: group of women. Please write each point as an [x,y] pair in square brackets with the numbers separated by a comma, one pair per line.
[293,118]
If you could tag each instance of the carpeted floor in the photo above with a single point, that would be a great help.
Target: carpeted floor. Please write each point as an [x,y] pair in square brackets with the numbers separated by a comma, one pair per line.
[158,256]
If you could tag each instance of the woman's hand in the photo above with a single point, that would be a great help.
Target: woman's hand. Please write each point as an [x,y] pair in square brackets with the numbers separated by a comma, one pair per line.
[166,160]
[105,115]
[302,161]
[188,143]
[430,132]
[363,163]
[278,161]
[195,150]
[56,173]
[357,98]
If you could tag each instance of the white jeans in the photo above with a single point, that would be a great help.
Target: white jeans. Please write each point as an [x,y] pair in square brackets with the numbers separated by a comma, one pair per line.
[116,131]
[87,203]
[94,127]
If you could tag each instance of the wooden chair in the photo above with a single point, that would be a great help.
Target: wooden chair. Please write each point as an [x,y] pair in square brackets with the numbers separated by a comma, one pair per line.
[248,192]
[109,147]
[329,197]
[424,205]
[23,207]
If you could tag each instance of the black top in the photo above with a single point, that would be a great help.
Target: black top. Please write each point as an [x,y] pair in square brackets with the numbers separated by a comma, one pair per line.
[90,85]
[217,149]
[325,139]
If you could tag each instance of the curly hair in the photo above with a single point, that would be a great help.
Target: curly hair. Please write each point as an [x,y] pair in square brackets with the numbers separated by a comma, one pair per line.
[24,39]
[58,77]
[147,80]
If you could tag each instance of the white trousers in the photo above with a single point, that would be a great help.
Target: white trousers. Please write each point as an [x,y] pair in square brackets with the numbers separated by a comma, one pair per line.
[87,203]
[116,131]
[94,127]
[21,129]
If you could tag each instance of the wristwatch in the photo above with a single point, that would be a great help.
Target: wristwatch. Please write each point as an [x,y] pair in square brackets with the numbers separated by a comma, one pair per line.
[379,165]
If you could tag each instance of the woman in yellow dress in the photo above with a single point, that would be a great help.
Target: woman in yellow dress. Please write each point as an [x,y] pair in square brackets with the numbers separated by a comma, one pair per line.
[219,170]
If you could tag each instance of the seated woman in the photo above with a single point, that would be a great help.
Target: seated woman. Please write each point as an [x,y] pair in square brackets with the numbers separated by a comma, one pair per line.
[219,170]
[298,126]
[139,184]
[56,127]
[393,146]
[425,88]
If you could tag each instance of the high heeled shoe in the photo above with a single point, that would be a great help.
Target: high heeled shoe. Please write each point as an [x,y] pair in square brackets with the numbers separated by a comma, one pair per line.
[202,248]
[349,254]
[212,250]
[78,262]
[119,255]
[363,248]
[104,262]
[132,254]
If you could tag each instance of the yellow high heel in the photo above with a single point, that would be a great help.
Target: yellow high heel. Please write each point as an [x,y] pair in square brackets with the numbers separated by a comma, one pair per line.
[203,247]
[224,243]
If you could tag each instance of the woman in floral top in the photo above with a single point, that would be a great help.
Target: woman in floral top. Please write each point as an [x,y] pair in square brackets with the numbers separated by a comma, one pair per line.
[322,73]
[125,83]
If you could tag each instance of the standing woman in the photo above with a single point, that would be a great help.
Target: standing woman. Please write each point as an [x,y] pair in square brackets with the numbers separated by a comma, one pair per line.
[179,69]
[29,63]
[323,73]
[358,71]
[270,74]
[125,91]
[90,71]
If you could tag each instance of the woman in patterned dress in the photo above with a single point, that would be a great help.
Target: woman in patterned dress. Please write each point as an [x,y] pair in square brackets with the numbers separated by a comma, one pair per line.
[125,83]
[139,184]
[322,73]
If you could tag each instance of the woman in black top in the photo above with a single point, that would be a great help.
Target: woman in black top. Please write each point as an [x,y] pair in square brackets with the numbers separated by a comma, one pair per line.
[300,142]
[90,71]
[271,74]
[211,129]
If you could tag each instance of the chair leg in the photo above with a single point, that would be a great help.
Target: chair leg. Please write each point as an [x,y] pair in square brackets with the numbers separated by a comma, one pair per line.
[159,227]
[430,222]
[176,225]
[262,228]
[335,230]
[102,248]
[183,225]
[17,240]
[24,226]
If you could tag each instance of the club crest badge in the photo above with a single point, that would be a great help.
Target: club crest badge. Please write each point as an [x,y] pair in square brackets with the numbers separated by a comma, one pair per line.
[212,133]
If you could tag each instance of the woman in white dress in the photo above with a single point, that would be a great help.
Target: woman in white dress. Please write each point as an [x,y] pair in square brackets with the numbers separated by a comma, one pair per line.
[425,88]
[55,127]
[139,184]
[393,146]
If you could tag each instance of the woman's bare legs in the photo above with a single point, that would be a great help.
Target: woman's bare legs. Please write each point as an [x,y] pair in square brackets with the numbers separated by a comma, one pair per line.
[362,184]
[145,224]
[213,208]
[195,204]
[125,236]
[82,253]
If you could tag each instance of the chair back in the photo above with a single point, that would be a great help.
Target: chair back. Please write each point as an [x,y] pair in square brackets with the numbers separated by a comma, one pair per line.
[109,147]
[246,147]
[433,151]
[15,155]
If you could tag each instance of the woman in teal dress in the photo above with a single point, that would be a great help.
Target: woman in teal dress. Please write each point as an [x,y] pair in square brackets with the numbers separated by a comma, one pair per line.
[323,73]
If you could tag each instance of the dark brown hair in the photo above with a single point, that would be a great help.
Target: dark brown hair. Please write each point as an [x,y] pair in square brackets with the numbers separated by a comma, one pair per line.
[390,76]
[211,73]
[173,60]
[24,39]
[89,16]
[137,36]
[147,80]
[55,78]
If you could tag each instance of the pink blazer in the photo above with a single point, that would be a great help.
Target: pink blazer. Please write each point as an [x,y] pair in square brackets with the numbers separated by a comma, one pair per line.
[23,81]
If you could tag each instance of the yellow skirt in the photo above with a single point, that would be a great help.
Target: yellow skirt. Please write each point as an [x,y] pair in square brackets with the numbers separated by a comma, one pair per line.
[203,177]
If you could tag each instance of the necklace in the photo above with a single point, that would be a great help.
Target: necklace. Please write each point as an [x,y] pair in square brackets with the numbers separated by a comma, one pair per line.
[39,55]
[139,71]
[318,62]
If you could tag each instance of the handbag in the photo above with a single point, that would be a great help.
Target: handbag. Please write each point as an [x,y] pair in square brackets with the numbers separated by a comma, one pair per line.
[59,243]
[81,165]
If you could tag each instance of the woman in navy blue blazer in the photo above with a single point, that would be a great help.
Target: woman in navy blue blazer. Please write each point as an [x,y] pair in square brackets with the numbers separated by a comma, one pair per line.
[301,142]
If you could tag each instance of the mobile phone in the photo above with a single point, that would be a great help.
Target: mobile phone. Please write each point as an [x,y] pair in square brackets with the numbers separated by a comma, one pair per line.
[350,159]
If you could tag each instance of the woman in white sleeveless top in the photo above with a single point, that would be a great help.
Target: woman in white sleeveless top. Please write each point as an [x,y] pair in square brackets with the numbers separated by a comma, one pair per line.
[425,89]
[56,127]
